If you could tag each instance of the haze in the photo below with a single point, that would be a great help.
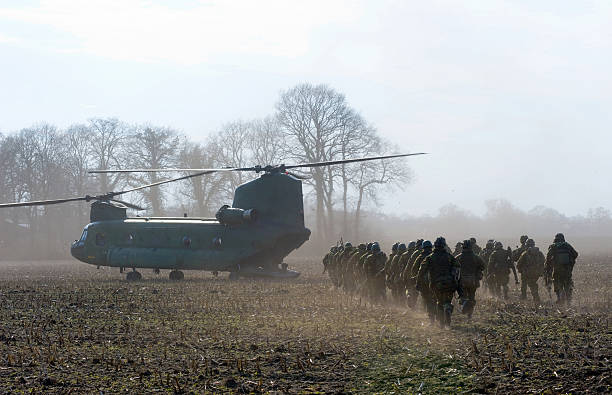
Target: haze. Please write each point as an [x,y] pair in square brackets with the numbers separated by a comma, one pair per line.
[510,98]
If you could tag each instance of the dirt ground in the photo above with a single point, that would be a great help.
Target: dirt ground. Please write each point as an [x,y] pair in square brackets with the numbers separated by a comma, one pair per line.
[67,327]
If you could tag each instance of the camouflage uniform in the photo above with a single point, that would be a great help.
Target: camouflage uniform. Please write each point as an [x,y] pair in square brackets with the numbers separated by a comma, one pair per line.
[500,264]
[345,272]
[485,254]
[328,263]
[471,267]
[398,291]
[389,264]
[458,249]
[406,277]
[443,270]
[375,272]
[516,254]
[560,262]
[531,267]
[475,247]
[422,283]
[361,269]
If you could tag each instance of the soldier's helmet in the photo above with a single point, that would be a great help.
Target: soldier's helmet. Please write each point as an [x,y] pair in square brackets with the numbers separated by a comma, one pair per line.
[369,246]
[440,242]
[334,249]
[459,244]
[427,244]
[473,240]
[375,247]
[412,245]
[467,244]
[362,246]
[498,245]
[419,243]
[348,245]
[530,243]
[559,237]
[394,247]
[401,247]
[524,239]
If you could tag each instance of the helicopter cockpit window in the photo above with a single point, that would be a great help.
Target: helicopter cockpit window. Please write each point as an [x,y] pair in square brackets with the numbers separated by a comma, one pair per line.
[100,239]
[84,235]
[216,242]
[186,242]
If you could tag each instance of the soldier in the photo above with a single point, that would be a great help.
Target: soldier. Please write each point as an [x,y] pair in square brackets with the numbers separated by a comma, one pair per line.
[375,271]
[443,272]
[397,290]
[389,263]
[458,249]
[485,254]
[475,247]
[422,283]
[346,278]
[362,270]
[560,262]
[500,264]
[516,254]
[409,273]
[531,267]
[328,265]
[471,267]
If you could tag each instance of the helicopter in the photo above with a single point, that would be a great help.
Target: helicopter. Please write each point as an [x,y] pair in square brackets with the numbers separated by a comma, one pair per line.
[250,238]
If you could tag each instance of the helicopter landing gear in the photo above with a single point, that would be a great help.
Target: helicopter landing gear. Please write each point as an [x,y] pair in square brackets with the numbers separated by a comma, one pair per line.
[134,276]
[176,275]
[233,276]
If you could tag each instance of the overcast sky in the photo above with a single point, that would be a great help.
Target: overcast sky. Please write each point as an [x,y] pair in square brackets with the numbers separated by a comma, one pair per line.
[512,98]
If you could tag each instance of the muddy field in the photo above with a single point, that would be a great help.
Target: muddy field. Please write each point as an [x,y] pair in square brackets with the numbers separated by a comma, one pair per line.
[67,327]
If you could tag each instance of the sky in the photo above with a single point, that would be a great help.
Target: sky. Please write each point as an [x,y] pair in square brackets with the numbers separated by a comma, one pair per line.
[512,99]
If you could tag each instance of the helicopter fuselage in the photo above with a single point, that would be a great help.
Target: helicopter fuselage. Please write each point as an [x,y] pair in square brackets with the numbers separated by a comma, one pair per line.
[264,224]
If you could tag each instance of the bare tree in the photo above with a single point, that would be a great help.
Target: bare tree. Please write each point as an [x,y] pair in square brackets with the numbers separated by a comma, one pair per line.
[108,144]
[313,119]
[152,148]
[206,192]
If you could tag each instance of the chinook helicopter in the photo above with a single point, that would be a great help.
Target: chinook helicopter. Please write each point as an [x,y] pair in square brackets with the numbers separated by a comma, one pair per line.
[250,238]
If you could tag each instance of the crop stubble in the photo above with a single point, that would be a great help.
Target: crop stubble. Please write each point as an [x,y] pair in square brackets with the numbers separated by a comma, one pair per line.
[67,327]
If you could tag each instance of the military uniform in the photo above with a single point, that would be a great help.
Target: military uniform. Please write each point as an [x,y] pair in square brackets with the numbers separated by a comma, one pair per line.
[560,261]
[398,290]
[374,266]
[475,247]
[500,264]
[442,269]
[346,275]
[531,267]
[471,267]
[421,284]
[485,254]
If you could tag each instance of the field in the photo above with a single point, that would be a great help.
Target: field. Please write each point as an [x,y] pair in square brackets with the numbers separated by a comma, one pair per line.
[67,327]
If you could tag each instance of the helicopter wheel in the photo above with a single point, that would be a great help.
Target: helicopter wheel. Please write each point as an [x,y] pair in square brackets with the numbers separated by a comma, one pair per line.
[133,276]
[176,275]
[234,276]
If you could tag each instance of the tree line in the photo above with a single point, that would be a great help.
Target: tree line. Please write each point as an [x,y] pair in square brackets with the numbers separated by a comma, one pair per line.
[310,123]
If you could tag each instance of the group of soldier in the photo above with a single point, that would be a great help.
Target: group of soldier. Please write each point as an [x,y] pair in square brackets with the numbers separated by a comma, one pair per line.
[436,273]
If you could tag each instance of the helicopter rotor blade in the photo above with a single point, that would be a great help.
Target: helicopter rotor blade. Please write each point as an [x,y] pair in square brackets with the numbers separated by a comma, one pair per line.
[343,161]
[45,202]
[174,170]
[113,194]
